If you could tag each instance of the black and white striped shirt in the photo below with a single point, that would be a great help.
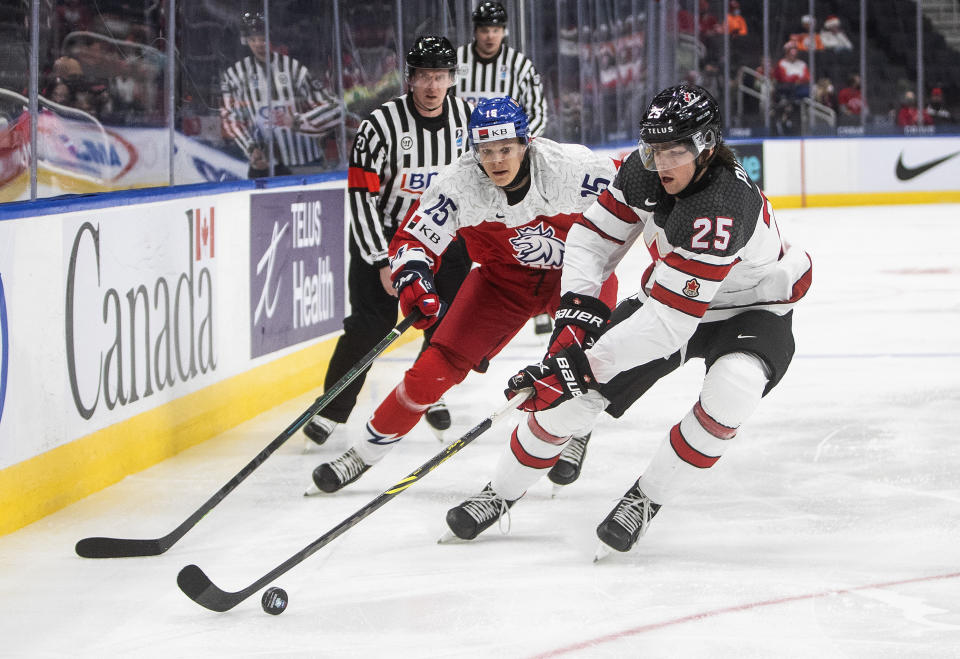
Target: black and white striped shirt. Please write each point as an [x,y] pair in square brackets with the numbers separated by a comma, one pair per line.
[302,108]
[509,73]
[395,155]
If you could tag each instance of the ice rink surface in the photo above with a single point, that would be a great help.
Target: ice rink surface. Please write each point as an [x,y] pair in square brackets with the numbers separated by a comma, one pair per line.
[831,528]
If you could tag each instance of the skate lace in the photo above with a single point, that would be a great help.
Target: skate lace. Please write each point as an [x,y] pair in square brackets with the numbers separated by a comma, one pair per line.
[488,505]
[348,465]
[574,450]
[634,511]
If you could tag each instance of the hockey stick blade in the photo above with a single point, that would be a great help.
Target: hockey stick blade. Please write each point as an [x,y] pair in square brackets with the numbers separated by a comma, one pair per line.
[127,547]
[120,547]
[196,585]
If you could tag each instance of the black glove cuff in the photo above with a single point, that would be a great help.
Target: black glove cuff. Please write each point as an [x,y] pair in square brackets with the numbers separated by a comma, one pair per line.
[410,273]
[583,311]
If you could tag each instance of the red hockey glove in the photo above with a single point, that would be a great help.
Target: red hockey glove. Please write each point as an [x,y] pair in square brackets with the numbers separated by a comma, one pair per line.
[416,291]
[579,321]
[556,379]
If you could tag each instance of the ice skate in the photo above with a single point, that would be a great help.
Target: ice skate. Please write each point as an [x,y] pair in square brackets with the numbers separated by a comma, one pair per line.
[438,418]
[567,468]
[476,514]
[317,430]
[627,521]
[332,476]
[542,324]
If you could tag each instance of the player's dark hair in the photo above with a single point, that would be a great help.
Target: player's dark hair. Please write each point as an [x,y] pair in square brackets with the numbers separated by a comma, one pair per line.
[722,155]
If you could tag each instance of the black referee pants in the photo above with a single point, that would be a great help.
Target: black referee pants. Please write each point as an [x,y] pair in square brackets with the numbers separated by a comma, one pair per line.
[373,314]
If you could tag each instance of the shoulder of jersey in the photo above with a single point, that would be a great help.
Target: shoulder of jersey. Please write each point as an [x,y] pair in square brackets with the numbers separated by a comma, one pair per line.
[464,172]
[735,196]
[637,183]
[465,105]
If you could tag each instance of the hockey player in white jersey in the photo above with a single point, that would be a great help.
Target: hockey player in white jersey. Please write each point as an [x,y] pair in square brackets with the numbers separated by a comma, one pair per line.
[721,287]
[489,68]
[512,202]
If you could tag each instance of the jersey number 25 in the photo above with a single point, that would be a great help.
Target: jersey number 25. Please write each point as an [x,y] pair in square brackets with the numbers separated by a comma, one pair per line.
[704,226]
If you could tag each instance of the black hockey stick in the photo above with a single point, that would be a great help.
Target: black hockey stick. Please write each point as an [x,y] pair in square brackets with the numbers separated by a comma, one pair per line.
[198,587]
[126,547]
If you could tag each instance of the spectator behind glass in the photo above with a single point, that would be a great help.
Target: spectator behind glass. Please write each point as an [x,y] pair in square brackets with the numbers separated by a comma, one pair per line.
[802,39]
[907,115]
[823,93]
[792,75]
[938,112]
[850,102]
[833,37]
[736,23]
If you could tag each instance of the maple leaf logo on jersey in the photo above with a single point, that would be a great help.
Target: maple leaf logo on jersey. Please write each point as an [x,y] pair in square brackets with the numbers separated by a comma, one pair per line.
[538,247]
[692,289]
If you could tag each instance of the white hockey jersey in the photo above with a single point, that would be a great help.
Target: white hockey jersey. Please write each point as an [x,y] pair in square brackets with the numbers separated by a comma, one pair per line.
[717,251]
[565,179]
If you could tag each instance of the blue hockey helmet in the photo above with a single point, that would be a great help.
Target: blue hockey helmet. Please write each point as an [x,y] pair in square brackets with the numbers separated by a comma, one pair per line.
[498,119]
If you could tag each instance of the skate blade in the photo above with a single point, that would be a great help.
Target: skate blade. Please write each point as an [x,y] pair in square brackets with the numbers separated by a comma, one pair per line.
[313,490]
[603,550]
[556,490]
[308,444]
[437,433]
[449,538]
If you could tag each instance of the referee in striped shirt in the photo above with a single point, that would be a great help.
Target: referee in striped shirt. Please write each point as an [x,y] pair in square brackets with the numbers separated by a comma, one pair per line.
[302,109]
[399,148]
[488,68]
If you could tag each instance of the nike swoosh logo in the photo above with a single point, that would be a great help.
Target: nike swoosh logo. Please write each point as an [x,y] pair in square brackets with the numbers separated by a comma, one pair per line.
[746,336]
[650,203]
[500,216]
[905,173]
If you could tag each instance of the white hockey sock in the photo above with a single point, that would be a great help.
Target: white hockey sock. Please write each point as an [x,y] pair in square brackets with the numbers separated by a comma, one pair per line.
[731,392]
[529,454]
[372,446]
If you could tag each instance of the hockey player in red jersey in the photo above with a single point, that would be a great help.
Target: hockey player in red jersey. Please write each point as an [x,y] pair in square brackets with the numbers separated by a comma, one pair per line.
[721,287]
[513,212]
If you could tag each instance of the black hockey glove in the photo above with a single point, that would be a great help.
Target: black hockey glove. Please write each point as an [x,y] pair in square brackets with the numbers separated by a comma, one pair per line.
[556,379]
[415,289]
[579,321]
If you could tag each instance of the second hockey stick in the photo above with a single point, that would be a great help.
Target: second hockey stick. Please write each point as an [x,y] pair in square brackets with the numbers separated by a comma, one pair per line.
[128,547]
[198,586]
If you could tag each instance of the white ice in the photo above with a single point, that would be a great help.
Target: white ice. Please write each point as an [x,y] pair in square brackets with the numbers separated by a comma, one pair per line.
[831,528]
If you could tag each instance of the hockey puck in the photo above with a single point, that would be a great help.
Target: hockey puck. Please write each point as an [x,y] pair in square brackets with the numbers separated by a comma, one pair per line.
[274,600]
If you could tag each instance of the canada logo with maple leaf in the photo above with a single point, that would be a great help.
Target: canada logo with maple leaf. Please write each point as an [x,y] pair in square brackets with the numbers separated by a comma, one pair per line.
[692,288]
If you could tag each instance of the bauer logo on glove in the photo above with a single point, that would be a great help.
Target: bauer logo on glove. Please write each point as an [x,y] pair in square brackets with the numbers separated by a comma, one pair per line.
[557,379]
[578,322]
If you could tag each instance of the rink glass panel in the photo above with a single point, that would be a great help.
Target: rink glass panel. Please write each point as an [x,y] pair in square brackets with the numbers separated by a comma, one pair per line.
[109,124]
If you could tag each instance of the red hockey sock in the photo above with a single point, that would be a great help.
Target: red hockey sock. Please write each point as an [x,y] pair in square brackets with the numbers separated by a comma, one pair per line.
[434,372]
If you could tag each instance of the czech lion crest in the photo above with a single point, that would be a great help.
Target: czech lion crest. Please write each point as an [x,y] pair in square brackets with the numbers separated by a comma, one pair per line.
[538,247]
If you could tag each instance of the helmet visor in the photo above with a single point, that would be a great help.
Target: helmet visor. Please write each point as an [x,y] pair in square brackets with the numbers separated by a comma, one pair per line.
[497,150]
[419,78]
[661,156]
